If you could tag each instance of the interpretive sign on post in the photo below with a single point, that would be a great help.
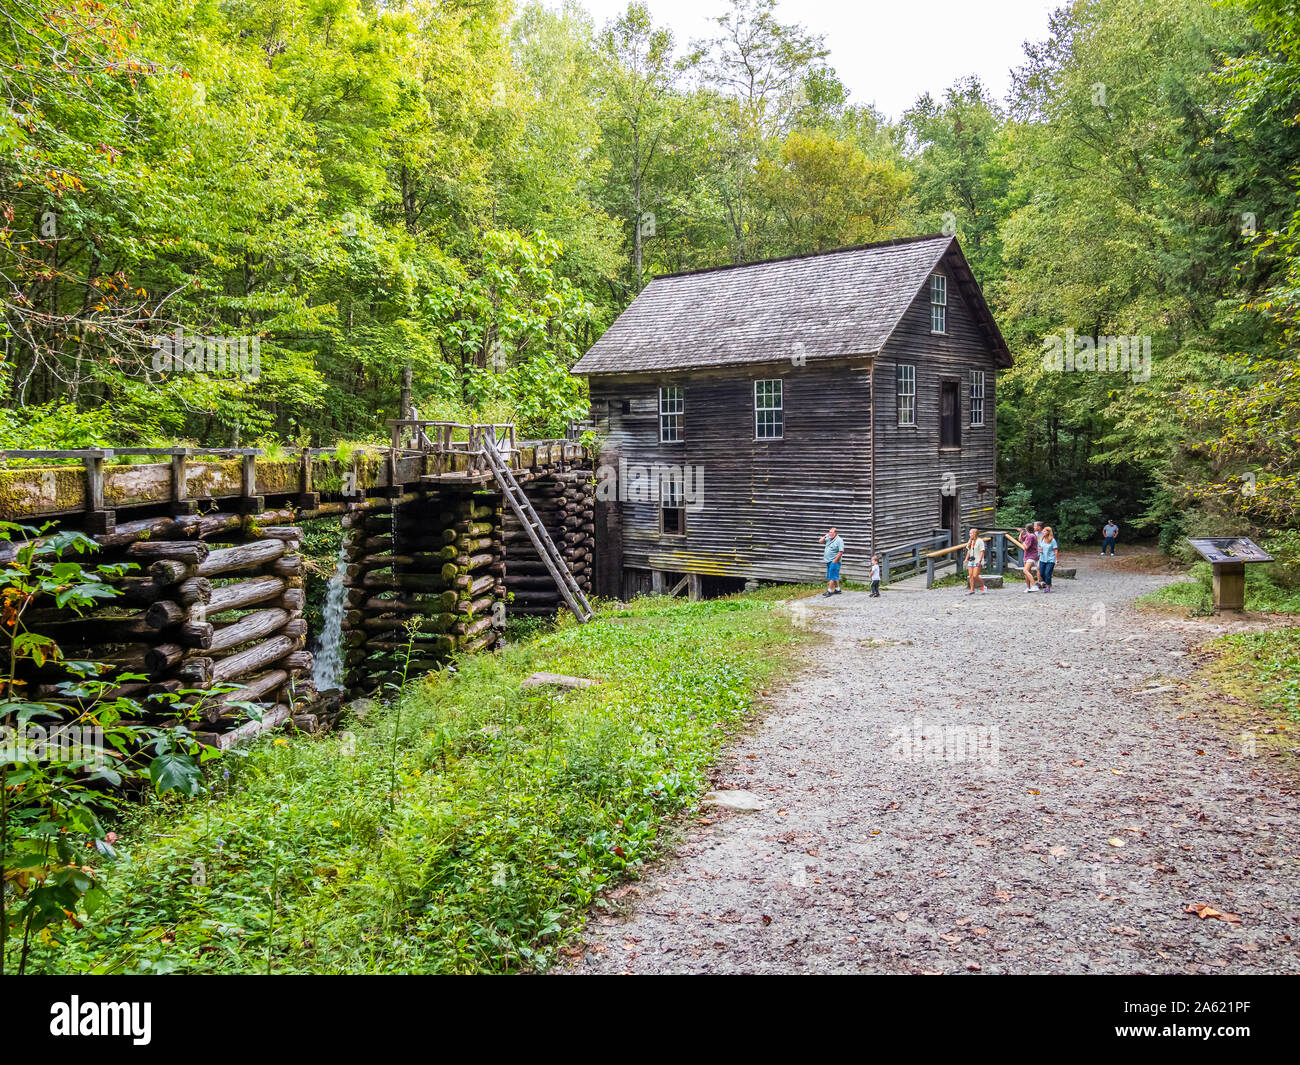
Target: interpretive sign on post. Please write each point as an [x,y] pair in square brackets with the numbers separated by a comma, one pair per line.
[1229,555]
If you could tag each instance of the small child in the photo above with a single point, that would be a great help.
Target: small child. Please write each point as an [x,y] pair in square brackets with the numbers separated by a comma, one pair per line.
[875,576]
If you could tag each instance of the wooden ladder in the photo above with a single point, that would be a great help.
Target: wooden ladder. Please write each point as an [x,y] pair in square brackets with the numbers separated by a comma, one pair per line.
[541,539]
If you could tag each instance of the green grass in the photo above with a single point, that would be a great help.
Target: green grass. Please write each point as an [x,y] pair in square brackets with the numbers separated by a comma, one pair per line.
[1272,662]
[465,827]
[772,593]
[1263,593]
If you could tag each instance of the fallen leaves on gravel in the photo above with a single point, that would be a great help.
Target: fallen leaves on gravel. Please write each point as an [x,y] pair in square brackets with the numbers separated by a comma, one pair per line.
[1207,912]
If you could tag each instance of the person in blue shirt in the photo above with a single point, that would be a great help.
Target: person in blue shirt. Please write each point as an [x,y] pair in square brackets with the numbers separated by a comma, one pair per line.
[831,555]
[1109,533]
[1046,557]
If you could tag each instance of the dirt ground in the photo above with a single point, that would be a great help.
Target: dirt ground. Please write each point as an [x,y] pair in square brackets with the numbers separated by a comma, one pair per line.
[993,783]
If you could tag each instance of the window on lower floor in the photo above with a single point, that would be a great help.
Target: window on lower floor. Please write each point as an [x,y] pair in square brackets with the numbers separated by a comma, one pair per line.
[977,397]
[672,506]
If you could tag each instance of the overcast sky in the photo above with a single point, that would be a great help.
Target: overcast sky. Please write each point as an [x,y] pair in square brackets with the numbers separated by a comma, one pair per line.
[887,52]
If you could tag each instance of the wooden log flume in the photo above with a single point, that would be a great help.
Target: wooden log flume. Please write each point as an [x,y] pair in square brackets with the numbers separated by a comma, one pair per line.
[217,599]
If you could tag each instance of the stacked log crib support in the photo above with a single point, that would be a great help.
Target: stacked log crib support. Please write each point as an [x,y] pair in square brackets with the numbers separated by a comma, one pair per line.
[428,574]
[210,615]
[565,504]
[211,600]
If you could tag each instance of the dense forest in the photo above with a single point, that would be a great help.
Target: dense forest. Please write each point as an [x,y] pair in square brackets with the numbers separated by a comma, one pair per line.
[466,192]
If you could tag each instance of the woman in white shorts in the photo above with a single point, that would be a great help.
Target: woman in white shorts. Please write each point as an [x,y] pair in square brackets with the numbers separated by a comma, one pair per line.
[975,561]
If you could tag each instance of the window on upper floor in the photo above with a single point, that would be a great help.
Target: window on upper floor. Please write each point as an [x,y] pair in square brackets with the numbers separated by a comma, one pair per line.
[769,410]
[977,397]
[938,303]
[906,389]
[672,412]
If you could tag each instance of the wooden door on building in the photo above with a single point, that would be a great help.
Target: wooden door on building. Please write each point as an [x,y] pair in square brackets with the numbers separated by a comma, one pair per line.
[948,511]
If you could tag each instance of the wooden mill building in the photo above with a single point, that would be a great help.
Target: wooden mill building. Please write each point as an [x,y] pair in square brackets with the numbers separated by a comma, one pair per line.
[742,410]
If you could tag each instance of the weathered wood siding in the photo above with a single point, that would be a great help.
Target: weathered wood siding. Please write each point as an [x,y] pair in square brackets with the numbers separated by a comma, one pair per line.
[910,465]
[763,503]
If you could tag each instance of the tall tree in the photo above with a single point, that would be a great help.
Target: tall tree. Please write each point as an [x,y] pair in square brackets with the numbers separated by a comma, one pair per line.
[637,83]
[758,66]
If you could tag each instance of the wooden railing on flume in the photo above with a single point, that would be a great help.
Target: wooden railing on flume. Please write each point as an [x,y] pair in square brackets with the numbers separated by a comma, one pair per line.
[1001,548]
[96,483]
[908,560]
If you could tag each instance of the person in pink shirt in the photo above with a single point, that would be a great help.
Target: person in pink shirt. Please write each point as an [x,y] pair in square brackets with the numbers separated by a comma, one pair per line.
[1030,540]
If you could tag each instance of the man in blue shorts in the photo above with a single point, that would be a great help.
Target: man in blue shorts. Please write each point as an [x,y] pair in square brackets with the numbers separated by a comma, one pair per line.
[831,555]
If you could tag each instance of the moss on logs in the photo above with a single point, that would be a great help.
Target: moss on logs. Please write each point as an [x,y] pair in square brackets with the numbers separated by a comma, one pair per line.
[244,593]
[252,626]
[428,623]
[470,628]
[168,571]
[419,582]
[481,643]
[429,604]
[427,642]
[472,607]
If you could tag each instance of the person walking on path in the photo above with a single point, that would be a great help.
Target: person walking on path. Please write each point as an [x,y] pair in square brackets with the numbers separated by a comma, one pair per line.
[1031,558]
[831,555]
[975,561]
[1047,557]
[1109,533]
[875,576]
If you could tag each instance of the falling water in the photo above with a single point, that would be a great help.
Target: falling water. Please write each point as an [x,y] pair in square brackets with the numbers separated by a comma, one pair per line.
[327,668]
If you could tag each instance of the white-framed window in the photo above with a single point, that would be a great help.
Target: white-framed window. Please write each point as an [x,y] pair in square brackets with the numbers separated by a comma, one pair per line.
[672,411]
[906,381]
[938,303]
[769,410]
[977,397]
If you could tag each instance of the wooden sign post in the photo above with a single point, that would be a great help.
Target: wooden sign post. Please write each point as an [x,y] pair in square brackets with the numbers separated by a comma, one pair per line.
[1229,556]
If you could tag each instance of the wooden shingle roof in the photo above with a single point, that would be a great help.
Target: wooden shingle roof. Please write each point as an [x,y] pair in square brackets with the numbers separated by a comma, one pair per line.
[826,305]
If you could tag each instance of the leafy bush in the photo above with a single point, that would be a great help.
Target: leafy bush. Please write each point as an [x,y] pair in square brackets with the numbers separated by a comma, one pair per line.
[1017,508]
[1285,548]
[64,763]
[1078,520]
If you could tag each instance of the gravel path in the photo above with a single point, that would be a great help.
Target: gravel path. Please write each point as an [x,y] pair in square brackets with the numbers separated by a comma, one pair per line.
[869,856]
